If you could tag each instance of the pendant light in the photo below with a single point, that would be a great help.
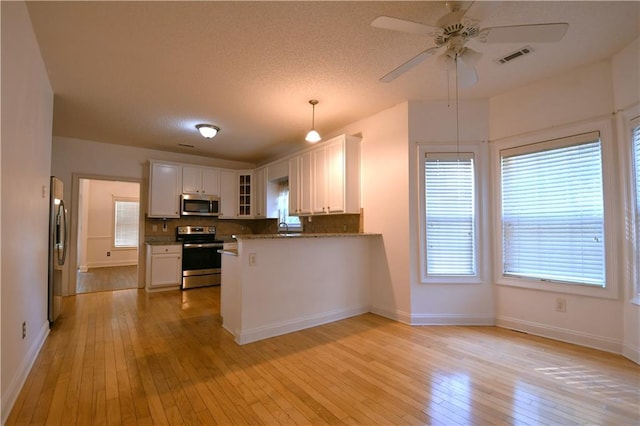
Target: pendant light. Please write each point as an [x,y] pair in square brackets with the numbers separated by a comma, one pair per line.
[313,136]
[208,131]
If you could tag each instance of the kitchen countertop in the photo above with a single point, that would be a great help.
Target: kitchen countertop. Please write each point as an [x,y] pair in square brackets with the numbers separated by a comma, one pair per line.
[299,235]
[162,243]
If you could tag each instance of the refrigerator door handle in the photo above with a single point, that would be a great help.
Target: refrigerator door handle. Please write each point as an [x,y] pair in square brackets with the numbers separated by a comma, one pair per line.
[62,254]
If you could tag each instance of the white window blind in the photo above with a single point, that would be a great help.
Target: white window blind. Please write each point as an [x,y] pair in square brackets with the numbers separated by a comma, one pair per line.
[635,137]
[450,214]
[126,223]
[552,211]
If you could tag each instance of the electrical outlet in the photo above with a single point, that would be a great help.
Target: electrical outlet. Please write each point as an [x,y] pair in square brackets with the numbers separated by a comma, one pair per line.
[252,259]
[561,304]
[154,228]
[108,253]
[344,228]
[24,329]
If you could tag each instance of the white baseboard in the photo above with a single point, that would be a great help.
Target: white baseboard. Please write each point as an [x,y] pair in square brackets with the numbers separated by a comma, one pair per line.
[396,315]
[452,319]
[297,324]
[108,263]
[9,397]
[563,334]
[631,352]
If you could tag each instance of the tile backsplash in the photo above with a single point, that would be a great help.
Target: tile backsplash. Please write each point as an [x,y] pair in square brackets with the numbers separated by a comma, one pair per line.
[165,230]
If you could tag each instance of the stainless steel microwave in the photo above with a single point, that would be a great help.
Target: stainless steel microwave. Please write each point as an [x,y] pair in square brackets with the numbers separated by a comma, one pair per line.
[199,205]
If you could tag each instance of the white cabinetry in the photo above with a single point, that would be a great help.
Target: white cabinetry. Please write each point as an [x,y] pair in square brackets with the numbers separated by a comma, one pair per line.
[260,192]
[164,267]
[228,194]
[245,194]
[165,184]
[200,180]
[326,179]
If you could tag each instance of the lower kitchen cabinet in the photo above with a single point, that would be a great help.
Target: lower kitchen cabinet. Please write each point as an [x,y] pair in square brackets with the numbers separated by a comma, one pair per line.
[164,267]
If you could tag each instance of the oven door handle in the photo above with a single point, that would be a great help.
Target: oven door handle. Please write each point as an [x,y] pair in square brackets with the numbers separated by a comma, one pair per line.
[203,245]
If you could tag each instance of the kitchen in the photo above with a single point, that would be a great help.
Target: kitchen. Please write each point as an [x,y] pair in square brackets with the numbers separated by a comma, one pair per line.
[388,137]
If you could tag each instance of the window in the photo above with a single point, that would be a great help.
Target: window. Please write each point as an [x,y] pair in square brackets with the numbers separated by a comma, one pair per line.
[126,220]
[450,214]
[635,140]
[293,222]
[451,190]
[553,211]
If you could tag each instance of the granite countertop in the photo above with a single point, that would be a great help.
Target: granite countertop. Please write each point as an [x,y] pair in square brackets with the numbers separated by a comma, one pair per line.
[162,243]
[300,235]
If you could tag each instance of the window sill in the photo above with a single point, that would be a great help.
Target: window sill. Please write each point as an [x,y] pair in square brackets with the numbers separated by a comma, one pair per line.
[577,289]
[451,280]
[635,300]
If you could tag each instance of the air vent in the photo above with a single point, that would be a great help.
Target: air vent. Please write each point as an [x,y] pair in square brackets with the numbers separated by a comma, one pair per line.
[513,55]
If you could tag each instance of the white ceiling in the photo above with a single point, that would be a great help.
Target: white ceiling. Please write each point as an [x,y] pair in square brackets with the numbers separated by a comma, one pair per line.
[144,73]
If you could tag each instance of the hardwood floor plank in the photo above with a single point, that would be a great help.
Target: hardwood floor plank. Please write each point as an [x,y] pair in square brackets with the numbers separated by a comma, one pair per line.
[133,358]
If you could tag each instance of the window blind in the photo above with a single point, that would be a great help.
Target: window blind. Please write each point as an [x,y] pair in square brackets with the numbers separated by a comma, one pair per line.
[450,214]
[552,211]
[126,223]
[635,137]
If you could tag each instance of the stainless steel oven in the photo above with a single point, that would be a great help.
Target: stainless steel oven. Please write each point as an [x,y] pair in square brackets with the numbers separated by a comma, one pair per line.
[201,262]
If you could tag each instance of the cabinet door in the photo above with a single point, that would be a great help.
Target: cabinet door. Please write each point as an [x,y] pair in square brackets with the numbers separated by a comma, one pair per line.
[210,181]
[166,269]
[318,158]
[228,194]
[191,180]
[305,184]
[260,192]
[165,183]
[294,186]
[336,177]
[245,194]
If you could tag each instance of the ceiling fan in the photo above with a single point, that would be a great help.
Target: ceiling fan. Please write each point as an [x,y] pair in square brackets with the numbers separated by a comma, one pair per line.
[455,29]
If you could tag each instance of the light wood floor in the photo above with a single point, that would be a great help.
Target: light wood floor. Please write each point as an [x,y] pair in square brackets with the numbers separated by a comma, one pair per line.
[128,357]
[107,279]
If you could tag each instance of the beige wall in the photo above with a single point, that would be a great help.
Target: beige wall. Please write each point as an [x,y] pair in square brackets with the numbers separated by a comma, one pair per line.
[583,94]
[27,112]
[100,223]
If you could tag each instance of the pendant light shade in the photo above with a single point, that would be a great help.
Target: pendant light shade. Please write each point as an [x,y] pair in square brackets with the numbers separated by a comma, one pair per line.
[313,136]
[208,131]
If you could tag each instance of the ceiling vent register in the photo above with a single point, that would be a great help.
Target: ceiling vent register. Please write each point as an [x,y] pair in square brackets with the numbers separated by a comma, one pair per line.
[513,55]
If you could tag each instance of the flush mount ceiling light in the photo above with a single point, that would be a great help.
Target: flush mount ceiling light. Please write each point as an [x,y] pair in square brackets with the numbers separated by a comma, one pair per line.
[208,131]
[313,136]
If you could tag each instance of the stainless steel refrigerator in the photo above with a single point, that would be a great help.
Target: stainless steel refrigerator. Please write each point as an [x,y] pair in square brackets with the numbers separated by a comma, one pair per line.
[58,242]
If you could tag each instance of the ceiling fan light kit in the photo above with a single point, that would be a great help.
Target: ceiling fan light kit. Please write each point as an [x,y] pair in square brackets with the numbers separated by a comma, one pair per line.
[208,131]
[313,136]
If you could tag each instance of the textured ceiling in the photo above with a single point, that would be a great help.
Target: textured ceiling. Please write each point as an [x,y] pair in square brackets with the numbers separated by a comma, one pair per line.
[144,73]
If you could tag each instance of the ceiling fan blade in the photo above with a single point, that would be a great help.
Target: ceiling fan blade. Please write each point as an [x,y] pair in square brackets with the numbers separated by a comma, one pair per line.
[419,58]
[480,10]
[467,75]
[402,25]
[535,33]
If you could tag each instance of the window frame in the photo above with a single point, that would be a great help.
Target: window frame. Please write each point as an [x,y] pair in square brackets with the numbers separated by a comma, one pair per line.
[477,149]
[605,128]
[115,200]
[628,119]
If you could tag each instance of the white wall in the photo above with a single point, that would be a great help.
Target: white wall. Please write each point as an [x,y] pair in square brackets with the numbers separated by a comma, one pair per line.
[27,113]
[385,200]
[582,94]
[74,158]
[99,225]
[435,122]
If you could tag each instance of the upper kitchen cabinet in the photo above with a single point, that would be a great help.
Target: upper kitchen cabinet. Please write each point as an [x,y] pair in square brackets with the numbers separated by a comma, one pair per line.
[245,194]
[228,194]
[200,180]
[336,176]
[260,192]
[300,184]
[165,185]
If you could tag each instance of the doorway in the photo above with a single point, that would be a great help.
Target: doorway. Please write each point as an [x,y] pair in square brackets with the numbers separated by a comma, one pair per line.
[107,235]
